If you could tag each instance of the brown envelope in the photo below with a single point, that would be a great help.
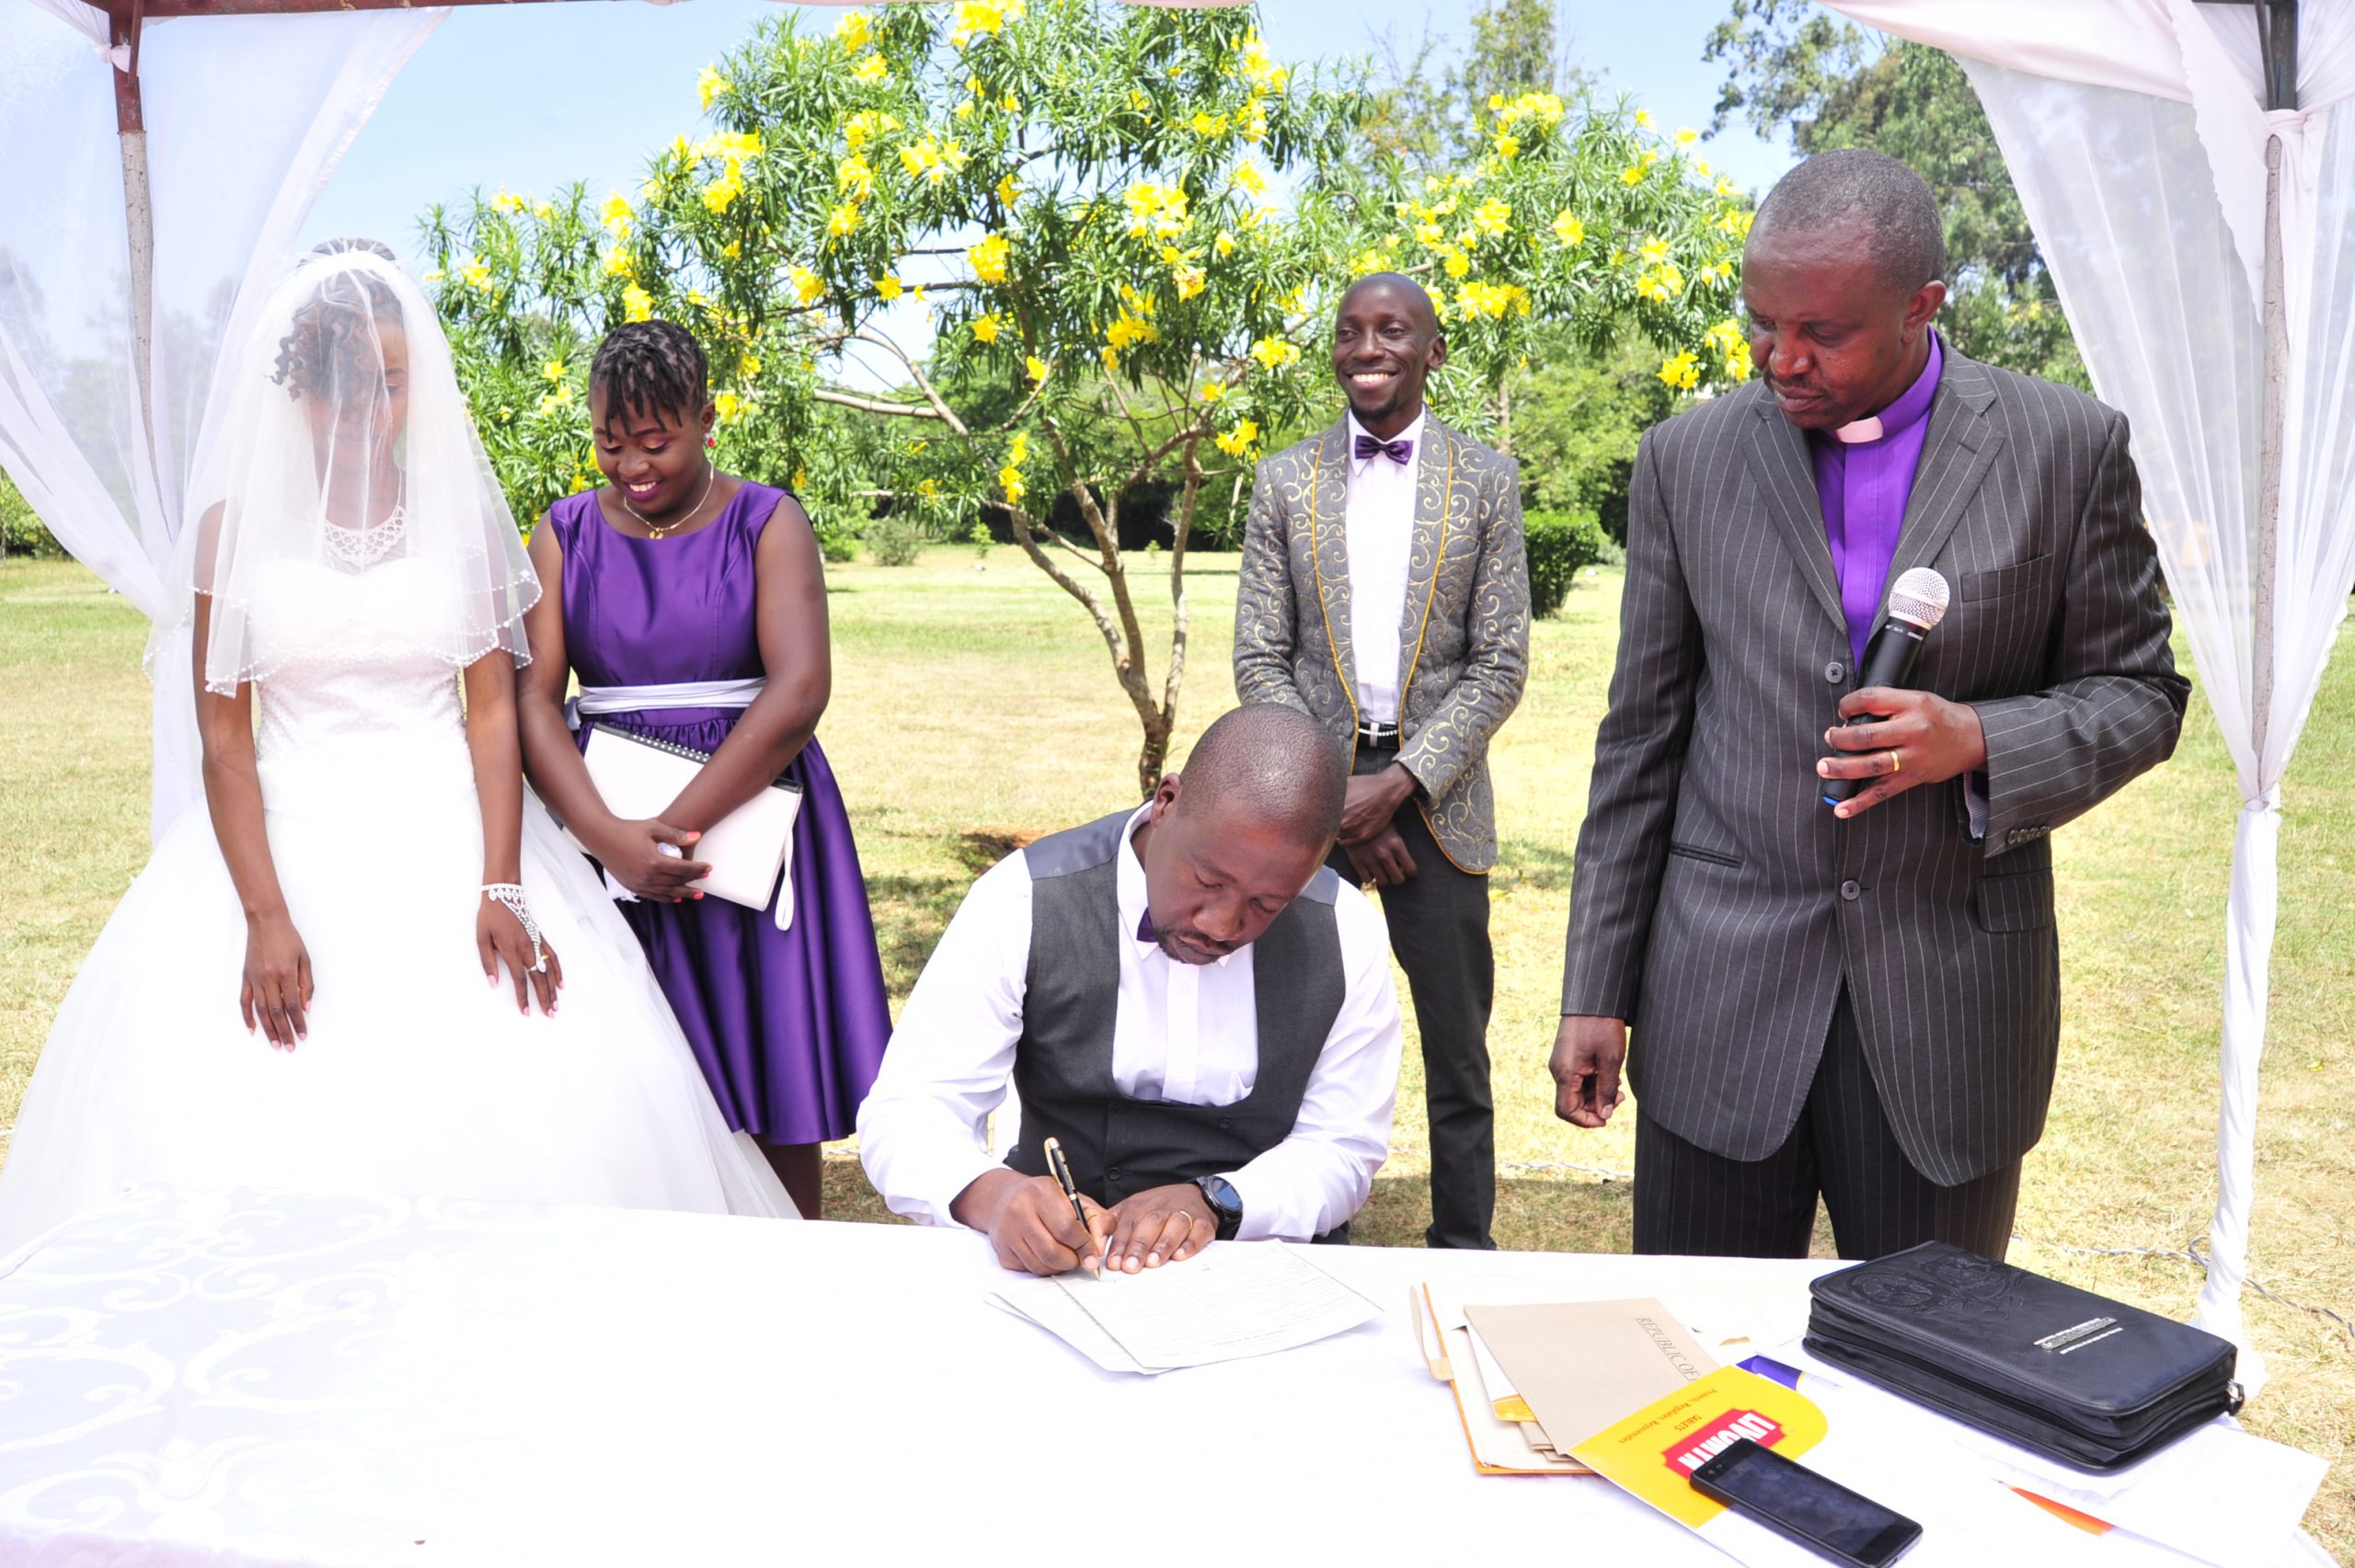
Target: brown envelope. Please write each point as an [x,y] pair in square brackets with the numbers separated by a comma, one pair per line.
[1540,1444]
[1583,1366]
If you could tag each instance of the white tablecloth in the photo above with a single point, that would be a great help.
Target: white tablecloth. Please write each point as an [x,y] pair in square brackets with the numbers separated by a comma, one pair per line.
[272,1379]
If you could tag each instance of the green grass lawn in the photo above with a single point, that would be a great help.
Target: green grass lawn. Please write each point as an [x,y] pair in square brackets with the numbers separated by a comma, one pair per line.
[972,705]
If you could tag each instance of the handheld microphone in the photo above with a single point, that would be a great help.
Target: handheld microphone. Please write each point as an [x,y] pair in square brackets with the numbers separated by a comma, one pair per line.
[1916,603]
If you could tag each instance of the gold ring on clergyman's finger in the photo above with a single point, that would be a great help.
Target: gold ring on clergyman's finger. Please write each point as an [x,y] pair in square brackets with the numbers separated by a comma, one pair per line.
[1895,765]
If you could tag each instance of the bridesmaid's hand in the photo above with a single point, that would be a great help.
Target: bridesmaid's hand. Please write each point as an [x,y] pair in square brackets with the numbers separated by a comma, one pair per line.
[633,854]
[277,991]
[499,937]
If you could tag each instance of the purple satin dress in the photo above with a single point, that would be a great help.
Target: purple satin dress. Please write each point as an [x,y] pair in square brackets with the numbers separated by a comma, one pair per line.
[789,1026]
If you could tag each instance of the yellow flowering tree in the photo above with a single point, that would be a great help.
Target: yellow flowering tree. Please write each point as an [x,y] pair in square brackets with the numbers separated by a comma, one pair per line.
[1579,219]
[1054,263]
[1054,228]
[520,368]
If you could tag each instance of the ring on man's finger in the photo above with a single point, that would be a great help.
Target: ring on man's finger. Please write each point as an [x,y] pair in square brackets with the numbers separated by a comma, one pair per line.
[1895,765]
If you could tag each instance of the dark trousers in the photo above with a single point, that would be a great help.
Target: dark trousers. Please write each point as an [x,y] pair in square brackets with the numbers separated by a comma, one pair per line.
[1439,931]
[1689,1201]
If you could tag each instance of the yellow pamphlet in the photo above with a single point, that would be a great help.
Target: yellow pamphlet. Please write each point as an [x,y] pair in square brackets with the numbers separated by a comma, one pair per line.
[1654,1452]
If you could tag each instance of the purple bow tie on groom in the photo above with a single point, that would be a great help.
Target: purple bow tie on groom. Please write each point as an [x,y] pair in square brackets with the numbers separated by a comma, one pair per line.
[1399,452]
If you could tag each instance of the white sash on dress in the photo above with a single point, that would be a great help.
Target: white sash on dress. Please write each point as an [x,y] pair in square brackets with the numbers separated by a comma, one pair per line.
[596,700]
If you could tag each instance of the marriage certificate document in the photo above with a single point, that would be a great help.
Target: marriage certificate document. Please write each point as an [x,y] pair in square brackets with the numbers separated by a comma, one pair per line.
[1235,1299]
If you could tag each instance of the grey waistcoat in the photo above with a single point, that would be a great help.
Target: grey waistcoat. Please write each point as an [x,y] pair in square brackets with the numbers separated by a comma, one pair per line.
[1062,1063]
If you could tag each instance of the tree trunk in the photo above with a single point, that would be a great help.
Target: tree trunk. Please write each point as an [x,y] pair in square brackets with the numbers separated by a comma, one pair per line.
[1153,757]
[1163,722]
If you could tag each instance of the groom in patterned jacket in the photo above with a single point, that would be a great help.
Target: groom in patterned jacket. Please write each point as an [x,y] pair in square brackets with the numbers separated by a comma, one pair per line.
[1385,590]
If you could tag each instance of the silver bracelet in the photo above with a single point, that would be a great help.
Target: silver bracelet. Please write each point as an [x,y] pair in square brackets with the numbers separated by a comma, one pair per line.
[510,895]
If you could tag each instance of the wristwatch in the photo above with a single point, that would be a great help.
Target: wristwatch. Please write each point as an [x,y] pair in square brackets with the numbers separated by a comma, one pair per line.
[1226,1204]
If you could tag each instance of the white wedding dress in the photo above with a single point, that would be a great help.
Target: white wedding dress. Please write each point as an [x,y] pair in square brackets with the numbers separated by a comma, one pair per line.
[417,1077]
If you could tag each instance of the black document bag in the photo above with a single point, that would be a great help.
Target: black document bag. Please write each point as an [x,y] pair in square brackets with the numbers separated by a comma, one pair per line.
[2064,1372]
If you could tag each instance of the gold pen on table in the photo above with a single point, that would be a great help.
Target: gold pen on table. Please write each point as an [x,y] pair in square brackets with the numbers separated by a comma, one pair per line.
[1061,1167]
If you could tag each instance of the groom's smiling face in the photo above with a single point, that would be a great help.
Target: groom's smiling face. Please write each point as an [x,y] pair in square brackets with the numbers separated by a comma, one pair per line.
[1387,343]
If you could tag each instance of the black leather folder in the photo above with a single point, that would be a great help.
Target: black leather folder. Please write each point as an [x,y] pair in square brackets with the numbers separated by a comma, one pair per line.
[2060,1372]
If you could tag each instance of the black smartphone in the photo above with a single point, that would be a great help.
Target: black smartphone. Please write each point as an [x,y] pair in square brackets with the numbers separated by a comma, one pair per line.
[1796,1503]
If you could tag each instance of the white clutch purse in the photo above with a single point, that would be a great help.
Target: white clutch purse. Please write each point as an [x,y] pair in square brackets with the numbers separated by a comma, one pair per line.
[750,850]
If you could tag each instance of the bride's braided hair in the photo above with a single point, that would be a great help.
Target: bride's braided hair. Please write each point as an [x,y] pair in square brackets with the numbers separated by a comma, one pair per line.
[656,367]
[335,329]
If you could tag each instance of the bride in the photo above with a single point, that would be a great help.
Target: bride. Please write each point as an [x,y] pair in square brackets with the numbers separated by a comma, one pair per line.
[367,967]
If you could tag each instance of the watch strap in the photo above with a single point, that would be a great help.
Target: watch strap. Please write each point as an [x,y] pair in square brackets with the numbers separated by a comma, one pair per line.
[1226,1205]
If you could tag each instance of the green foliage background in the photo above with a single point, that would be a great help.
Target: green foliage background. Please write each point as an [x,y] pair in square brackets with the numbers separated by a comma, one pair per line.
[1560,543]
[1127,228]
[21,533]
[1793,69]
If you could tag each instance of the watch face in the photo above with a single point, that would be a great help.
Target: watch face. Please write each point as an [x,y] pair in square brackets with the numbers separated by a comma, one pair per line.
[1221,1192]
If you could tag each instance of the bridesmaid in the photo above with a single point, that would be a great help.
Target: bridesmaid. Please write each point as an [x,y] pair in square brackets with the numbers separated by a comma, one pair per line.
[675,575]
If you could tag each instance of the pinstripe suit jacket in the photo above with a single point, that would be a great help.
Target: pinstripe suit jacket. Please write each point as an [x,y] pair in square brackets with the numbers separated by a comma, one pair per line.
[1463,643]
[1718,905]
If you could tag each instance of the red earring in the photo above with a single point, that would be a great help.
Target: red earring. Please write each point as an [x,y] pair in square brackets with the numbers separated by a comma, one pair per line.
[711,441]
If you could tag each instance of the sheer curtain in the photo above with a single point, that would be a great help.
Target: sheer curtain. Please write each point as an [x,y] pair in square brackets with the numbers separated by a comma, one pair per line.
[246,117]
[2136,132]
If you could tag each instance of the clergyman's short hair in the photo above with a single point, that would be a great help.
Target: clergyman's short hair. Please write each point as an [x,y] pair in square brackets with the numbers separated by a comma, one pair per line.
[1904,232]
[1273,761]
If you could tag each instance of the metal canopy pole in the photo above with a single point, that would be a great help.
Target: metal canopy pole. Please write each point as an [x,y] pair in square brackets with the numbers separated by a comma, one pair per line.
[2280,41]
[2276,31]
[138,212]
[2276,34]
[2277,38]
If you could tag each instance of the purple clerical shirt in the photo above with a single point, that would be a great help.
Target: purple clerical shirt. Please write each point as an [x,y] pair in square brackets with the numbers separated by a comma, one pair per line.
[1864,487]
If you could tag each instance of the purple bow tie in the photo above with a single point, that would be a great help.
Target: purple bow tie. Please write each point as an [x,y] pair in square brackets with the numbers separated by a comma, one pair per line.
[1144,928]
[1400,452]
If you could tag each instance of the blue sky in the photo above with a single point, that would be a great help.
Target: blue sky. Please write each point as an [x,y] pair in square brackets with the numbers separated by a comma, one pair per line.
[531,96]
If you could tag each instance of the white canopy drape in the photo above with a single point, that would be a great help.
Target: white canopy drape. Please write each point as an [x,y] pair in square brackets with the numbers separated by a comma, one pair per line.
[2137,134]
[245,118]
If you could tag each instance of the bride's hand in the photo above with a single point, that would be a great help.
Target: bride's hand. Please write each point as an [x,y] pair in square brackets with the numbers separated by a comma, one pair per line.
[499,937]
[632,855]
[277,991]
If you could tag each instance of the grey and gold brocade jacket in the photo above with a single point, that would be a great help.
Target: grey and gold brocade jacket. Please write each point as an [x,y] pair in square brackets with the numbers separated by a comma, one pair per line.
[1463,643]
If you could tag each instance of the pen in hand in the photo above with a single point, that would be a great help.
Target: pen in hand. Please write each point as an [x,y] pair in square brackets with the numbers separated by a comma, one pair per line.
[1061,1167]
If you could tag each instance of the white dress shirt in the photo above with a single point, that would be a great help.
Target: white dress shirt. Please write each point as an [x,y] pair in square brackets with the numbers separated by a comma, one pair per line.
[1181,1032]
[1380,532]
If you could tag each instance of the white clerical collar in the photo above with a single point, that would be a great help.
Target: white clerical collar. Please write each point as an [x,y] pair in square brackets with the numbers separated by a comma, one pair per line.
[1129,891]
[1413,432]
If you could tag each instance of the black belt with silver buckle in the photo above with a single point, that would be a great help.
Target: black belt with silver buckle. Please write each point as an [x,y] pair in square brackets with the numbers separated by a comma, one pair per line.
[1383,736]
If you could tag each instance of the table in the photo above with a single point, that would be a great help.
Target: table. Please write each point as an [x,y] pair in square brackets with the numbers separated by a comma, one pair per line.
[262,1380]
